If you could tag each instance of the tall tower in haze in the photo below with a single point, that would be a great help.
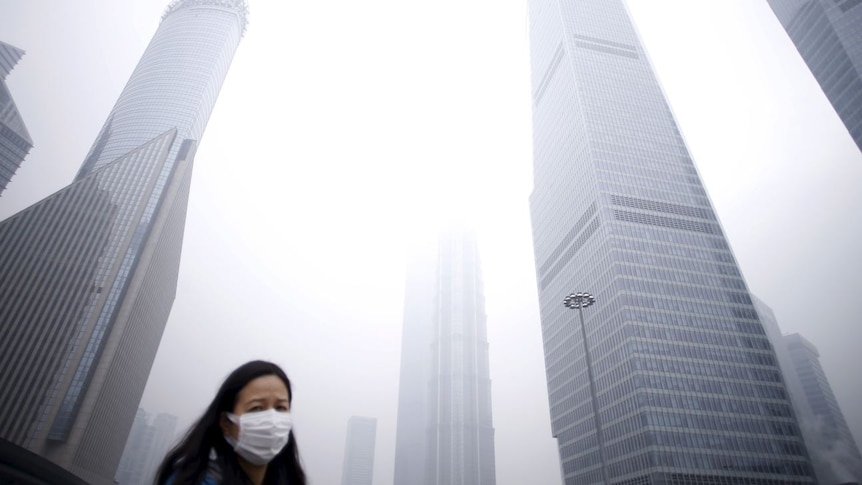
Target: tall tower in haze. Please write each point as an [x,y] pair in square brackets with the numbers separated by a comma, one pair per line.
[460,440]
[150,439]
[15,141]
[828,36]
[416,336]
[445,433]
[90,272]
[834,452]
[687,387]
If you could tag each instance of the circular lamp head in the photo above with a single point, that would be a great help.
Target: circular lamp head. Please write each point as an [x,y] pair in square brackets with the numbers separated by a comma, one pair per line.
[579,300]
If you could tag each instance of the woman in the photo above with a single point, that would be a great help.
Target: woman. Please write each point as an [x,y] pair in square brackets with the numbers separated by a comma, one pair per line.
[244,437]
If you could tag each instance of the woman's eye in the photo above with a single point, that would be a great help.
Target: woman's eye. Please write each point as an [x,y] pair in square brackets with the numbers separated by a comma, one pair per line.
[283,409]
[255,409]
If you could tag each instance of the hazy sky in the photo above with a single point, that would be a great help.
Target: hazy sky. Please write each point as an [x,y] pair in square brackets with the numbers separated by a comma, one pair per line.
[347,131]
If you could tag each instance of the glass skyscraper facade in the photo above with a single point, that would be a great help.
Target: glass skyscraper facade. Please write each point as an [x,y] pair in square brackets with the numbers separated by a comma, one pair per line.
[828,36]
[688,388]
[90,272]
[15,141]
[358,466]
[445,433]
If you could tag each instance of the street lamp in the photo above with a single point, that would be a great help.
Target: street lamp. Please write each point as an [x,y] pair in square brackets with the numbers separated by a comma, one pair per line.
[580,301]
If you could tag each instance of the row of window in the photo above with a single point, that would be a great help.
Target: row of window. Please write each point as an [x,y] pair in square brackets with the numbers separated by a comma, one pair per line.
[656,206]
[634,147]
[697,337]
[574,415]
[713,404]
[582,462]
[646,235]
[584,444]
[712,441]
[681,291]
[629,168]
[689,307]
[689,321]
[677,350]
[665,349]
[657,160]
[656,193]
[640,257]
[727,479]
[701,385]
[606,177]
[703,369]
[719,423]
[661,221]
[730,463]
[574,381]
[676,276]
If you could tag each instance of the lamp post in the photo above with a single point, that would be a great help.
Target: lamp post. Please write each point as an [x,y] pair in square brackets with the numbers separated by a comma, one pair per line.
[580,301]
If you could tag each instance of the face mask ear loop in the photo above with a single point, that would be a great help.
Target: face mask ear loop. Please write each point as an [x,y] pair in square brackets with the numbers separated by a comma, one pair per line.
[233,418]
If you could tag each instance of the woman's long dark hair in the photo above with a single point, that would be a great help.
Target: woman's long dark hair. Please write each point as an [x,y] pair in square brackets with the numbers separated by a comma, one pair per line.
[189,461]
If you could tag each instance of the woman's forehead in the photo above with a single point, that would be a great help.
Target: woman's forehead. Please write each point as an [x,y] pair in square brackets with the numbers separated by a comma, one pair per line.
[269,386]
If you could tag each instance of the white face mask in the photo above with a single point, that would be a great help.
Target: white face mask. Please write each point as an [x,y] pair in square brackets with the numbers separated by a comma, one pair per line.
[262,435]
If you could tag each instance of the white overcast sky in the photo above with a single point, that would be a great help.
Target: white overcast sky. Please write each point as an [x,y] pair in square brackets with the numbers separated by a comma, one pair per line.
[347,131]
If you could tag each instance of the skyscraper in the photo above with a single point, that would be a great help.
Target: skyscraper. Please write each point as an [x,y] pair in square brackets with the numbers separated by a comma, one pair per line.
[687,387]
[130,468]
[828,36]
[460,440]
[150,439]
[834,452]
[358,466]
[15,141]
[90,272]
[418,327]
[445,433]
